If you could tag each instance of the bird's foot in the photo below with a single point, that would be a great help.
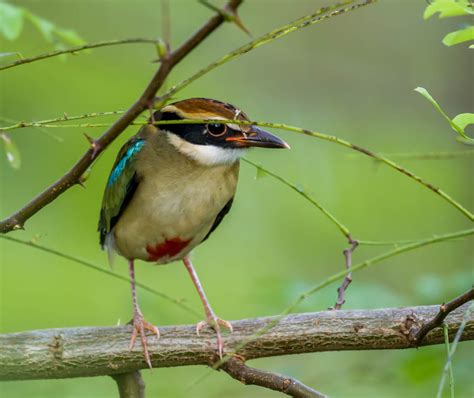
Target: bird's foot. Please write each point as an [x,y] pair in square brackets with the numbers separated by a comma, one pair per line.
[215,323]
[139,327]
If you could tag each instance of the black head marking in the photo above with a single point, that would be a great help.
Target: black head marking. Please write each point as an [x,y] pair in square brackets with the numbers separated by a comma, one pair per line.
[198,134]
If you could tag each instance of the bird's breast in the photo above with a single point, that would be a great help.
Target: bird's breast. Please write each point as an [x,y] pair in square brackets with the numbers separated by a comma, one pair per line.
[172,210]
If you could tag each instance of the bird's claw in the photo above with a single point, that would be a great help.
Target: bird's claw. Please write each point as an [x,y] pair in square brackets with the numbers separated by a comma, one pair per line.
[139,327]
[215,323]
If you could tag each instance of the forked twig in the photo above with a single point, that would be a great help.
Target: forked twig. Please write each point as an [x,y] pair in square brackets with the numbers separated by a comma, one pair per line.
[417,334]
[341,291]
[237,369]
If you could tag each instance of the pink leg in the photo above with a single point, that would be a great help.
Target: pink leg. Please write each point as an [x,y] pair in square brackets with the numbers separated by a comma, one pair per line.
[139,324]
[211,319]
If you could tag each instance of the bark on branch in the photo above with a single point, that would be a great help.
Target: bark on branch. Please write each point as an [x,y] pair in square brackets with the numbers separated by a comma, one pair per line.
[237,369]
[93,351]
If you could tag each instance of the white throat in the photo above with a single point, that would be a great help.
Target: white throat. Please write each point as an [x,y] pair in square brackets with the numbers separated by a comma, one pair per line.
[208,155]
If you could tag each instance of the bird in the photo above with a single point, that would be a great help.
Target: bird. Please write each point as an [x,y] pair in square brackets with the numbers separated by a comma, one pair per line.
[169,189]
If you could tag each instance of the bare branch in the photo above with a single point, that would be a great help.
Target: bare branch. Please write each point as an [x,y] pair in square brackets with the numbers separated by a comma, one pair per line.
[77,352]
[130,385]
[418,333]
[452,350]
[341,291]
[237,369]
[147,99]
[73,176]
[77,49]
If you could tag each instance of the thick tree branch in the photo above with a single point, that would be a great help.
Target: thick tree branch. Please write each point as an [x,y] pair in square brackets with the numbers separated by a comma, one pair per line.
[130,385]
[73,176]
[76,352]
[237,369]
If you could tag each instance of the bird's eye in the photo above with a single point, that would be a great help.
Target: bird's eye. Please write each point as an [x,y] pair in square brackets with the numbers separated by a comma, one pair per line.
[216,129]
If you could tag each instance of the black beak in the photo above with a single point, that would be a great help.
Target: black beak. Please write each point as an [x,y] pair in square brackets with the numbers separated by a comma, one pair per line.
[257,137]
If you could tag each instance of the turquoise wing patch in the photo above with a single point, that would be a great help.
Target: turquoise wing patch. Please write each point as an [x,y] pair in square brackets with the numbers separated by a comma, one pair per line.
[121,186]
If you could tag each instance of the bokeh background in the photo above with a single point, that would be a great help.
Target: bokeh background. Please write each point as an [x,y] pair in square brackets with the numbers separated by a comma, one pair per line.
[352,76]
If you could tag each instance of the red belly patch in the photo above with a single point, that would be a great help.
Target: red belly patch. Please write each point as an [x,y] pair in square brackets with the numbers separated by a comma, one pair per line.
[169,248]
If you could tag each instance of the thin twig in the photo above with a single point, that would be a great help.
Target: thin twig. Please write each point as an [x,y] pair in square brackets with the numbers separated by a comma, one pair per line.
[456,340]
[102,270]
[372,261]
[77,49]
[130,385]
[446,344]
[417,335]
[237,369]
[345,143]
[48,123]
[344,230]
[341,291]
[314,134]
[166,22]
[73,176]
[320,15]
[427,155]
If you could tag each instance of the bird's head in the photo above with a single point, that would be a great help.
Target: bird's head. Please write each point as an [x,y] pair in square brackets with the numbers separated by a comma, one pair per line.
[213,143]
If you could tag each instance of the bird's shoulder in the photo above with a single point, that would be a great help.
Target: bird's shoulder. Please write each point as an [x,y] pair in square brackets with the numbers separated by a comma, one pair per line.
[121,185]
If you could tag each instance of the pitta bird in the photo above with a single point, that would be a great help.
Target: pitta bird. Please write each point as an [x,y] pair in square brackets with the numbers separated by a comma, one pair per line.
[169,189]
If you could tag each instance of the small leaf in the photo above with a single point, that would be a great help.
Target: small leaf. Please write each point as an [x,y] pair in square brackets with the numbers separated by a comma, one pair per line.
[260,173]
[428,96]
[459,36]
[465,141]
[58,46]
[447,8]
[44,26]
[11,18]
[70,37]
[453,124]
[16,54]
[13,155]
[463,120]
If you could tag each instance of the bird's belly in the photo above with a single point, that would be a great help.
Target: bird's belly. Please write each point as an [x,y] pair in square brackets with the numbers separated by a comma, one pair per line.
[164,225]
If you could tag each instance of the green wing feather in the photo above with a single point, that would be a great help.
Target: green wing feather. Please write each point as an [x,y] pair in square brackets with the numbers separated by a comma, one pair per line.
[121,186]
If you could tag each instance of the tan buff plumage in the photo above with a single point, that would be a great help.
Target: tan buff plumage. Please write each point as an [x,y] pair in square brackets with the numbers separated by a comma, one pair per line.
[177,197]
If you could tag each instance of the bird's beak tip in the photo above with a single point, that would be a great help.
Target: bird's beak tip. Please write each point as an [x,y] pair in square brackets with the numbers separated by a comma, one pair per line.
[258,137]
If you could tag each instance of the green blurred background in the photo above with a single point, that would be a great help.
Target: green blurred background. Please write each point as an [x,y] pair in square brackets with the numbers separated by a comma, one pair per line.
[352,76]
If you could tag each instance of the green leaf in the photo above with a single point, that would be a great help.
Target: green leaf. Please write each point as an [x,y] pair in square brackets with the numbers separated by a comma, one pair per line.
[56,36]
[454,125]
[260,173]
[463,120]
[11,150]
[10,54]
[459,36]
[11,18]
[448,8]
[44,26]
[70,37]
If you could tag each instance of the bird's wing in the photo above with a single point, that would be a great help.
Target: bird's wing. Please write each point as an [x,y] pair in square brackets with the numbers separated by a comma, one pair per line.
[219,218]
[121,185]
